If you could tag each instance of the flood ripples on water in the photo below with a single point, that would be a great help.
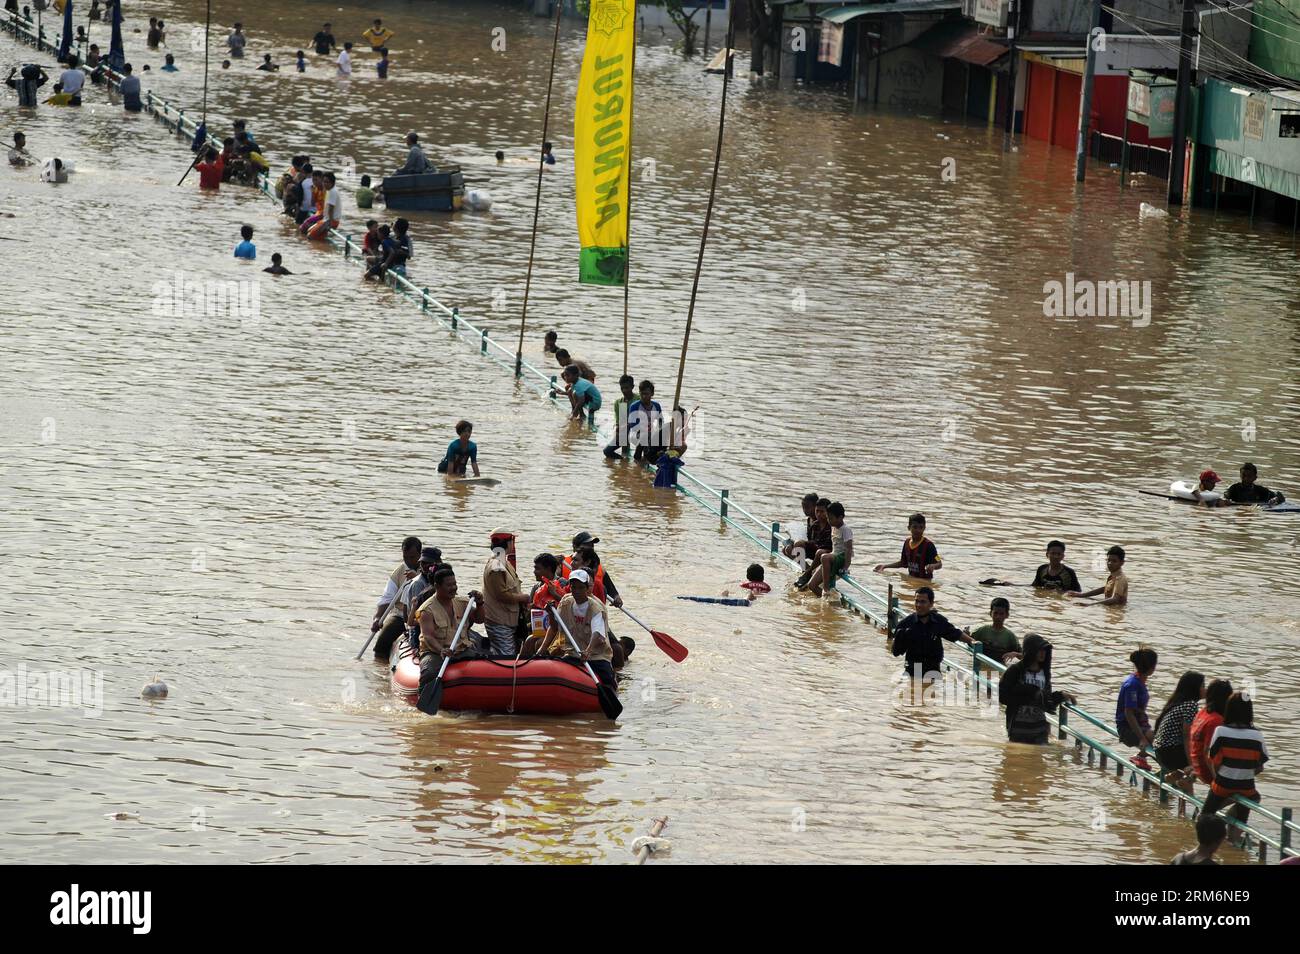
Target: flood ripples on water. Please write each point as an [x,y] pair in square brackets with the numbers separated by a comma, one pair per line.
[217,500]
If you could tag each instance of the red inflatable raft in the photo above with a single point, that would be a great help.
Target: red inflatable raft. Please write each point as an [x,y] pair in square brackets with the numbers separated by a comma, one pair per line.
[535,686]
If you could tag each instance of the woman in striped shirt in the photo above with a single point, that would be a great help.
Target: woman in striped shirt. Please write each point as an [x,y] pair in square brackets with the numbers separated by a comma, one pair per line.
[1238,754]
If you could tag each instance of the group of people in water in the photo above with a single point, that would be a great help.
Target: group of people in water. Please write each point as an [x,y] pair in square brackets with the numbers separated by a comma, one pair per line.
[1215,742]
[564,614]
[1245,491]
[641,431]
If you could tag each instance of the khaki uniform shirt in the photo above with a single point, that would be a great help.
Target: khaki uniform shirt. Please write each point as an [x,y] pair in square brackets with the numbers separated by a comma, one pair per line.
[500,581]
[438,628]
[594,645]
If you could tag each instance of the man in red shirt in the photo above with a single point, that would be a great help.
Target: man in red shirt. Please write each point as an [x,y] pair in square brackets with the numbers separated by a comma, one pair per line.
[211,169]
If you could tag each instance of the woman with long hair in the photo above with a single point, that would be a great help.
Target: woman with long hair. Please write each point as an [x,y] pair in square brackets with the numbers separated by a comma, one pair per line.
[1173,729]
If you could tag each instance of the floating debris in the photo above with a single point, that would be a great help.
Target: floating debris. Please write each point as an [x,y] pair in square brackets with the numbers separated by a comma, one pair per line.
[155,690]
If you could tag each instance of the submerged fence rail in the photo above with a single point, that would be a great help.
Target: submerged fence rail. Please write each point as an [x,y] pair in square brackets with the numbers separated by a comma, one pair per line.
[880,611]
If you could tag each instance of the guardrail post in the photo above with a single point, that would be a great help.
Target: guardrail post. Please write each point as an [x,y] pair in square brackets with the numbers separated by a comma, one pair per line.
[889,611]
[483,342]
[1286,831]
[455,323]
[180,122]
[554,384]
[776,530]
[975,650]
[1062,720]
[347,247]
[424,299]
[519,364]
[724,494]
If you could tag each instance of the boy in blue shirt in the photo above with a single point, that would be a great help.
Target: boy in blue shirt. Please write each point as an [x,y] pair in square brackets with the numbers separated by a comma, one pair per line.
[461,452]
[246,248]
[583,395]
[645,422]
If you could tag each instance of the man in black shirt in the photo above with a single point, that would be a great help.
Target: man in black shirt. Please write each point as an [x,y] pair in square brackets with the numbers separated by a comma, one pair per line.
[324,41]
[1246,491]
[920,636]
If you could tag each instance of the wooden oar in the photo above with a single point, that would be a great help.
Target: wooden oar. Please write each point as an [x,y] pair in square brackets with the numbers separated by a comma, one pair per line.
[675,650]
[991,581]
[363,649]
[1156,493]
[609,703]
[431,696]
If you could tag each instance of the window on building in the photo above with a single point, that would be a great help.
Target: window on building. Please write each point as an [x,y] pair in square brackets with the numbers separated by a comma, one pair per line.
[1289,127]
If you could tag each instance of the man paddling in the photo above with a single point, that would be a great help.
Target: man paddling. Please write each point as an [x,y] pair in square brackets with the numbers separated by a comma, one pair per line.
[585,618]
[1246,491]
[439,617]
[405,571]
[503,596]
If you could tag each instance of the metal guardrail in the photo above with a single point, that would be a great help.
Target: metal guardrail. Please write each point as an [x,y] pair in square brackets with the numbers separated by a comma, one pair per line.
[1283,843]
[880,611]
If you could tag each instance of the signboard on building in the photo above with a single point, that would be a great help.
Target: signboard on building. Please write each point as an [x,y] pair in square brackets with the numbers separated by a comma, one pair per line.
[1253,119]
[991,12]
[1152,106]
[1139,102]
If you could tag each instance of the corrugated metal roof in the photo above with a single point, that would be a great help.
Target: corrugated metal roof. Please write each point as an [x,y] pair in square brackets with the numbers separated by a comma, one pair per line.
[845,14]
[961,40]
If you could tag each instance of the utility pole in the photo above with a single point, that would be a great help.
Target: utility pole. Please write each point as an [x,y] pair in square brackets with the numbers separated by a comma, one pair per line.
[1013,22]
[1095,35]
[1182,104]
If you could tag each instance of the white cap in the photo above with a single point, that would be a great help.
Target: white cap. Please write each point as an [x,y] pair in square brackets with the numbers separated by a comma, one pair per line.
[580,576]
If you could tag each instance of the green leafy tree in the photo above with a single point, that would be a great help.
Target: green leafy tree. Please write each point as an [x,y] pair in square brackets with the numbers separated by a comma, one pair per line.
[685,22]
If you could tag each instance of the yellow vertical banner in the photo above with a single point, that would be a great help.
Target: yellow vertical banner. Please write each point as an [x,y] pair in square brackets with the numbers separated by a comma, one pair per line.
[602,142]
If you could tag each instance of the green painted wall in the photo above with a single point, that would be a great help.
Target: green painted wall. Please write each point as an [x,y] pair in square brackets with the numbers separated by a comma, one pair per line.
[1275,39]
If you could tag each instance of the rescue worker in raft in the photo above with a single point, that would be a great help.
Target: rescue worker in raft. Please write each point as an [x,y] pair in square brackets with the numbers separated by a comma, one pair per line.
[439,617]
[409,597]
[602,579]
[585,619]
[504,599]
[405,572]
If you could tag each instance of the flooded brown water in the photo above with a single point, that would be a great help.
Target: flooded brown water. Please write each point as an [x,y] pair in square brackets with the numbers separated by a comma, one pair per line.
[218,500]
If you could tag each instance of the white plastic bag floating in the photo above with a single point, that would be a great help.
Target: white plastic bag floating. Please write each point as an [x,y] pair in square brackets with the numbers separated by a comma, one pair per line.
[480,200]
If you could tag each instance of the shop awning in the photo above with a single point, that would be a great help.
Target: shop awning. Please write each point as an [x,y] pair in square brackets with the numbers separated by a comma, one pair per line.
[845,14]
[959,40]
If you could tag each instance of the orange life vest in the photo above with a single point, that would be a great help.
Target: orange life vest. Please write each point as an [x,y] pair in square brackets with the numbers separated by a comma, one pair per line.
[597,585]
